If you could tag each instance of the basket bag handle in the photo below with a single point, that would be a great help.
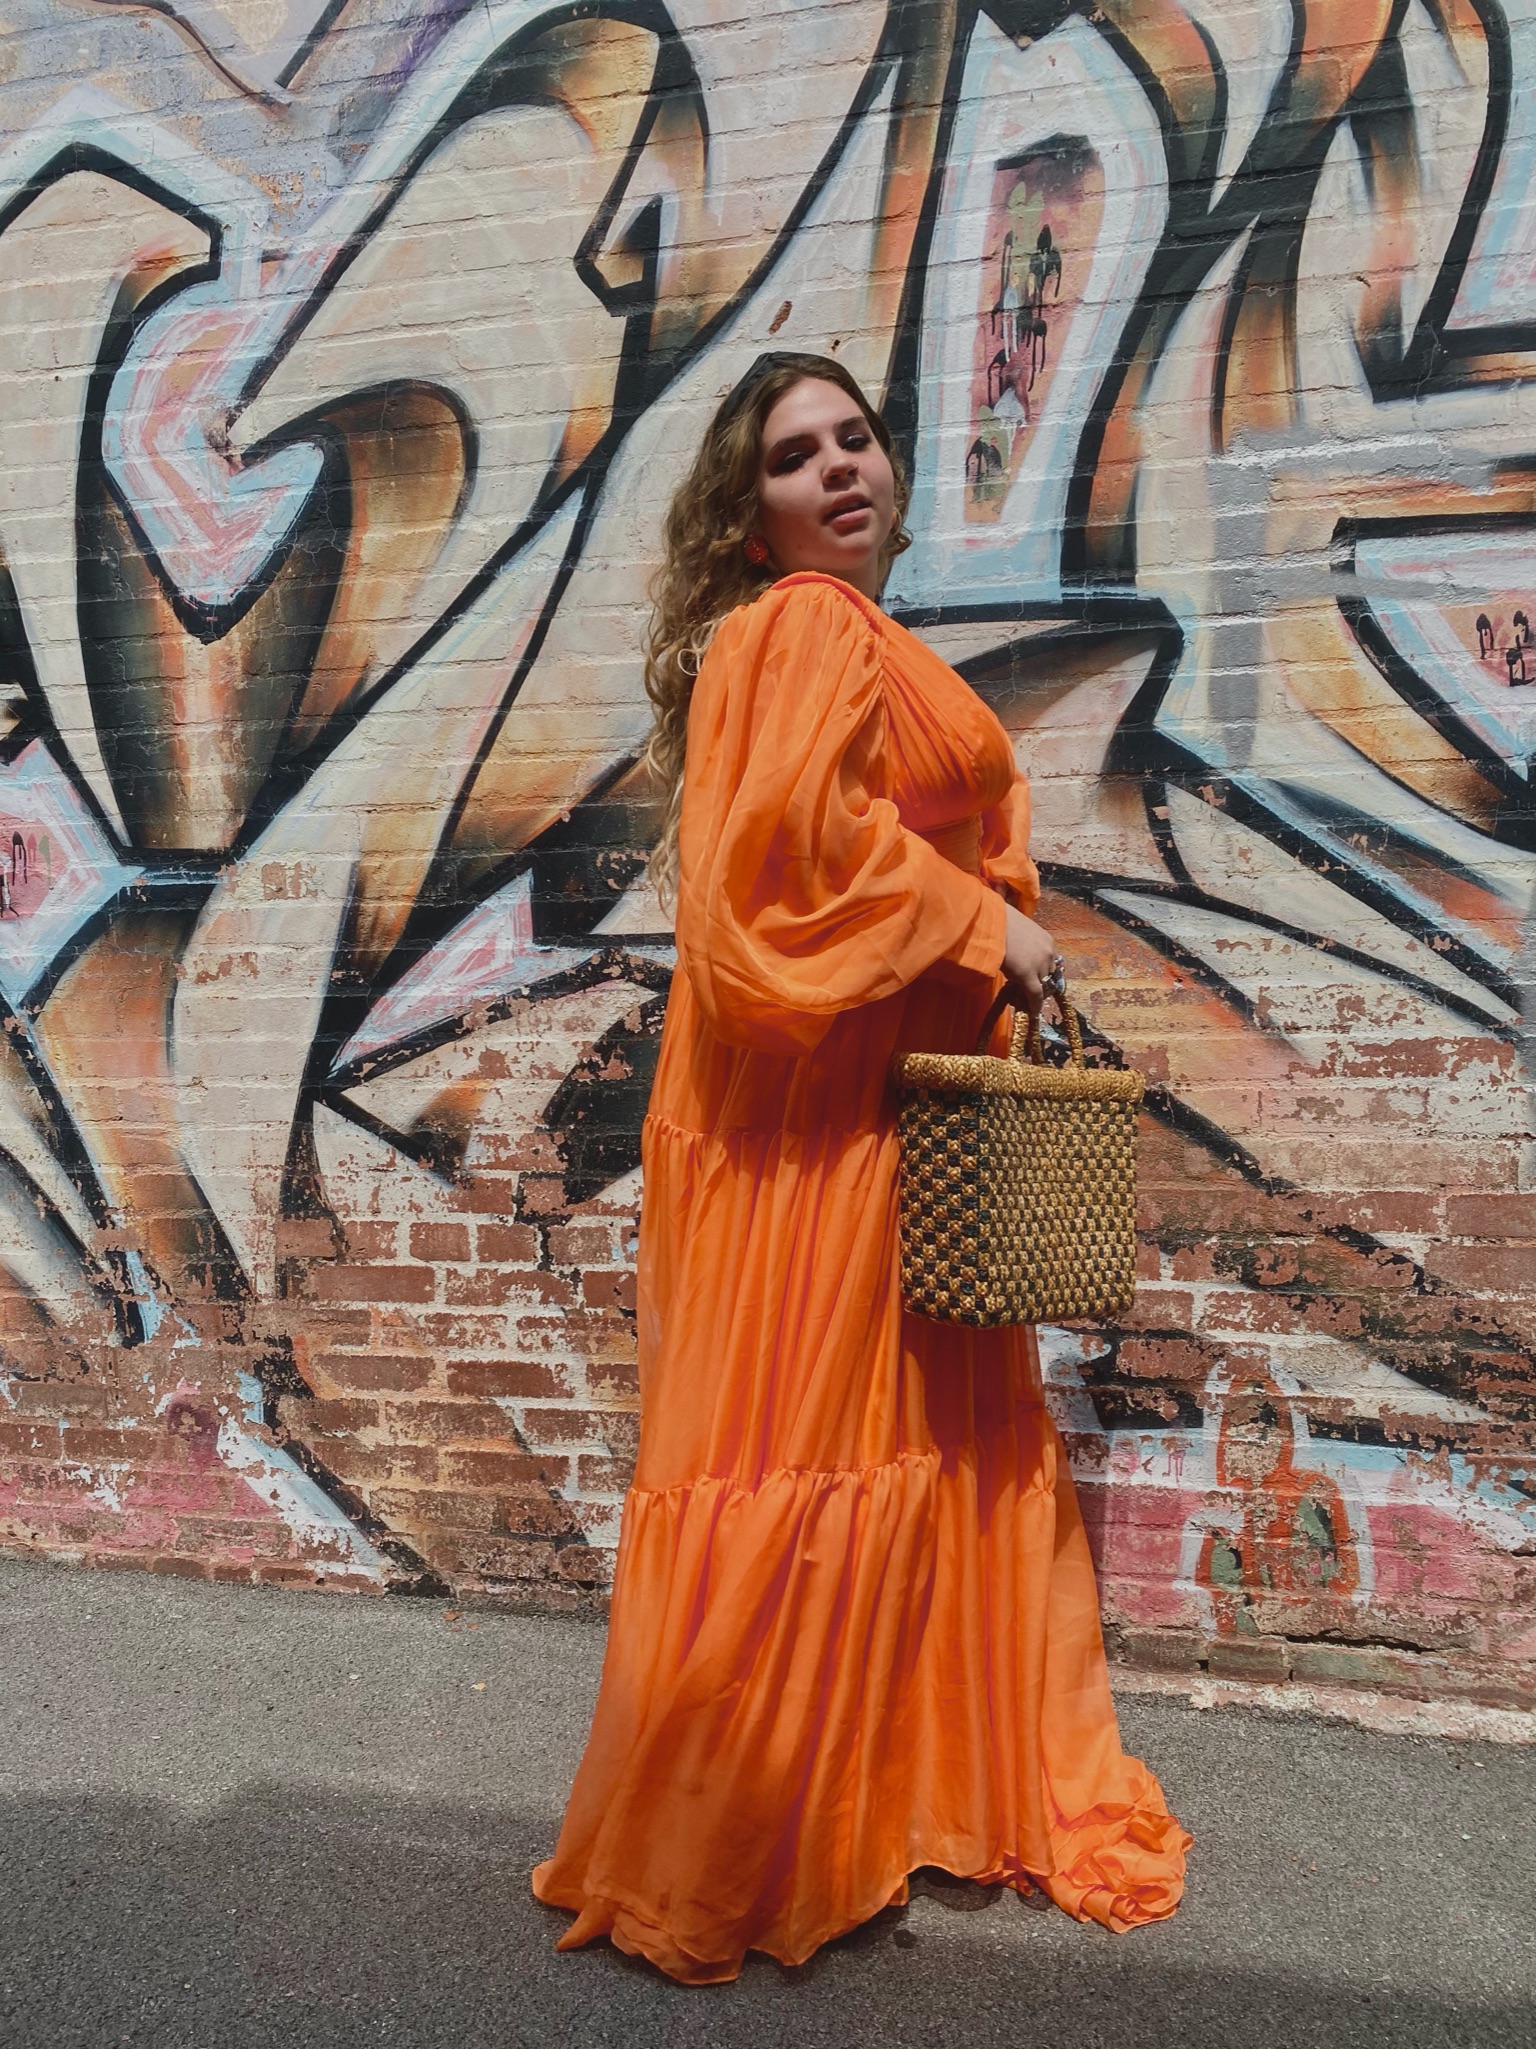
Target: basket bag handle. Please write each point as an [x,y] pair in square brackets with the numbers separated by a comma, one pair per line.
[1025,1042]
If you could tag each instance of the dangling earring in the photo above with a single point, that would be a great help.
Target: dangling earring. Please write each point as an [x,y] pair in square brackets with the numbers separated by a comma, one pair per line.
[755,548]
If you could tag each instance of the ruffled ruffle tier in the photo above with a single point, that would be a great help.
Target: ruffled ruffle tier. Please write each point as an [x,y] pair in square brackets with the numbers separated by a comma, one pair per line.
[843,1676]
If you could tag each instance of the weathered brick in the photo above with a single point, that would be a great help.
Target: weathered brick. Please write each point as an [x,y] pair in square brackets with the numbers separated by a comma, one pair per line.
[376,1372]
[372,1284]
[510,1378]
[1262,1659]
[583,1245]
[1485,1268]
[1374,1667]
[306,1238]
[372,1242]
[507,1244]
[609,1289]
[502,1469]
[603,1476]
[560,1426]
[440,1242]
[496,1285]
[1161,1650]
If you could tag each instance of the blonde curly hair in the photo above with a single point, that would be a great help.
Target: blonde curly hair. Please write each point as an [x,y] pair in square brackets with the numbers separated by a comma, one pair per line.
[705,573]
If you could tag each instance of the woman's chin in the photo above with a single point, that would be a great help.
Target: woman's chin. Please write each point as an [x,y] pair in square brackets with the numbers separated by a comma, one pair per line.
[853,560]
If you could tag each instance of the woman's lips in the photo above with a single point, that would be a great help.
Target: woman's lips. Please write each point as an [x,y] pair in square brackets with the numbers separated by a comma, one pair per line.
[847,514]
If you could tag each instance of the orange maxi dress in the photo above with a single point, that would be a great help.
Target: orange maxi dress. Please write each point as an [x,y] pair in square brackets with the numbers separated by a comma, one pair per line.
[855,1628]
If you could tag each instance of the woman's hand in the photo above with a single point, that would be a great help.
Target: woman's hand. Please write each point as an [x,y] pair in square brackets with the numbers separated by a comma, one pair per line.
[1028,951]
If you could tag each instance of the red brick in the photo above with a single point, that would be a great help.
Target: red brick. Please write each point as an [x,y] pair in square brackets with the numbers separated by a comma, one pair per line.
[1168,1358]
[621,1431]
[364,1465]
[1191,1263]
[208,1537]
[336,1327]
[464,1330]
[25,1437]
[1326,1315]
[369,1242]
[1388,1211]
[1165,1308]
[432,1419]
[324,1417]
[1491,1216]
[307,1238]
[100,1445]
[521,1379]
[491,1195]
[372,1284]
[541,1195]
[1485,1269]
[236,1572]
[114,1558]
[560,1426]
[498,1284]
[58,1398]
[589,1333]
[581,1244]
[613,1289]
[381,1372]
[504,1469]
[507,1244]
[440,1242]
[410,1509]
[613,1383]
[519,1560]
[276,1572]
[585,1564]
[596,1474]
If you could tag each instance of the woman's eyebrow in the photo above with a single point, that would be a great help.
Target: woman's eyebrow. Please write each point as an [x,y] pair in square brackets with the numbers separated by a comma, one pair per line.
[794,440]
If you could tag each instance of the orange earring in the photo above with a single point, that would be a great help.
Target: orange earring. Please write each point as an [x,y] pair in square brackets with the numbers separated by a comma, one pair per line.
[755,548]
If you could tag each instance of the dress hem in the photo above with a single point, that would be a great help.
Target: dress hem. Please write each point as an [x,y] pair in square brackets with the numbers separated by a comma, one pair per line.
[623,1923]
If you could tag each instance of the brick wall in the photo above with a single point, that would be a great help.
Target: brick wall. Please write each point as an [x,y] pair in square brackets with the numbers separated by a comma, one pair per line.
[349,360]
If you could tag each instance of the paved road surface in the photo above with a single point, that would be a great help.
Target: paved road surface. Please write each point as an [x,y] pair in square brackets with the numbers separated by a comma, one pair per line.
[241,1819]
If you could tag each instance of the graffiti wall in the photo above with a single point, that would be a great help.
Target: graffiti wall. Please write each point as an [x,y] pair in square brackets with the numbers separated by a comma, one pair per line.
[350,351]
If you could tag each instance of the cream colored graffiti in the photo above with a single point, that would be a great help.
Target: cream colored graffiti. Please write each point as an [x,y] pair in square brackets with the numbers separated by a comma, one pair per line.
[330,548]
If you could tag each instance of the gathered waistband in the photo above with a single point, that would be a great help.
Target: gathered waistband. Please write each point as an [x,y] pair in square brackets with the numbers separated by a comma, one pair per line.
[960,843]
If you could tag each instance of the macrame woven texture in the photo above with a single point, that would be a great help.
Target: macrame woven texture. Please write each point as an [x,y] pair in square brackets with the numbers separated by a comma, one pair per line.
[1018,1185]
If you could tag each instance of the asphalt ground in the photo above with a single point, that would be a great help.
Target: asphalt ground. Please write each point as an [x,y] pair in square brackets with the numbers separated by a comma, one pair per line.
[248,1819]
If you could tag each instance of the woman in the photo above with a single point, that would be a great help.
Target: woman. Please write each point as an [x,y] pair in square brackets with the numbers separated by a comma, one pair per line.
[854,1624]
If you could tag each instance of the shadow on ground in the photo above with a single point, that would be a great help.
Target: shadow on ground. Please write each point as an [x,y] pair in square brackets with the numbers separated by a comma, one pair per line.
[232,1820]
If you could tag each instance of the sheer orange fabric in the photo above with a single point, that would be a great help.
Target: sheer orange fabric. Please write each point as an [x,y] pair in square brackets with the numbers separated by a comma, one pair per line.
[855,1627]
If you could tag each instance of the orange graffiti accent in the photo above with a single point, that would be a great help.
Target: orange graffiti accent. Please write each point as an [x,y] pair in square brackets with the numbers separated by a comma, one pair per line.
[406,462]
[1336,681]
[1293,1539]
[1170,47]
[1340,41]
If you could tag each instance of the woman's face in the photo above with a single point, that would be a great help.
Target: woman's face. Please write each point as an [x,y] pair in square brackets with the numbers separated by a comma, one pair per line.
[826,495]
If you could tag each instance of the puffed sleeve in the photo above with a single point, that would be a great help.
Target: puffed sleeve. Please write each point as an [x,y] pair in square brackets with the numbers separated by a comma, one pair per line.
[1005,858]
[800,894]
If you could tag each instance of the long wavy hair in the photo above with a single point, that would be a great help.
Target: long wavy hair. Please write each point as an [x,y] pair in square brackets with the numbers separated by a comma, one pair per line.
[705,572]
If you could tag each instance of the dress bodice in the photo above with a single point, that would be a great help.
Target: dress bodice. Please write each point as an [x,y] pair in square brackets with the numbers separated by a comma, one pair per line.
[948,757]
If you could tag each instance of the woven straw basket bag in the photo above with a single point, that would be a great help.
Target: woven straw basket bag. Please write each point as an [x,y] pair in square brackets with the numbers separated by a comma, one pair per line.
[1018,1180]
